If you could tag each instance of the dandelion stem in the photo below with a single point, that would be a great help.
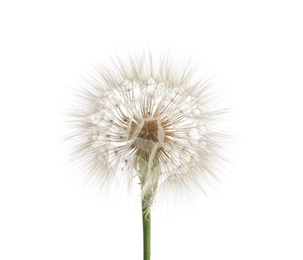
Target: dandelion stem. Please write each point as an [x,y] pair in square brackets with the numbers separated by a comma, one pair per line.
[146,228]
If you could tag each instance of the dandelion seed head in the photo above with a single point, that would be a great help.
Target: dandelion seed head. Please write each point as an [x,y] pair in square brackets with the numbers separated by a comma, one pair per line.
[148,119]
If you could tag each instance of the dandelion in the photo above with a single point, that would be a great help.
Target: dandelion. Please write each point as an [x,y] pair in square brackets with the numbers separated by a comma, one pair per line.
[148,120]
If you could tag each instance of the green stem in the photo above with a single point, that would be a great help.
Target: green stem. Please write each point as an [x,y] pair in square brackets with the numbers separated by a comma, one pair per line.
[146,200]
[146,229]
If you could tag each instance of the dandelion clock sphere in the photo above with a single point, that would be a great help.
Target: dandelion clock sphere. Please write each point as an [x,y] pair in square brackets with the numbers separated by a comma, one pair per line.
[150,120]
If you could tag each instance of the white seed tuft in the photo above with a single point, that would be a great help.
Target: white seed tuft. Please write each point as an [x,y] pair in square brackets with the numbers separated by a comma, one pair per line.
[147,119]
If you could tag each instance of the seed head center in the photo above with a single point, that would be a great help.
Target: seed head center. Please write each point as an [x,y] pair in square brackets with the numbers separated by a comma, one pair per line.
[150,130]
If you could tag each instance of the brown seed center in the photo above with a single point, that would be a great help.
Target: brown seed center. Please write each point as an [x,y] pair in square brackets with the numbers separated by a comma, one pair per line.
[149,131]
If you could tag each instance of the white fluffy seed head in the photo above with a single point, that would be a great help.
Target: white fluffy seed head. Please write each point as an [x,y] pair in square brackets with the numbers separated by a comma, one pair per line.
[148,119]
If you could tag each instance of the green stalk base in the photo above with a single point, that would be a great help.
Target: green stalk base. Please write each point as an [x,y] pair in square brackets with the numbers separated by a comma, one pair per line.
[146,231]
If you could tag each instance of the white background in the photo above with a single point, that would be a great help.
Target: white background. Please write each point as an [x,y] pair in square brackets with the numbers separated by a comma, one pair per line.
[255,213]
